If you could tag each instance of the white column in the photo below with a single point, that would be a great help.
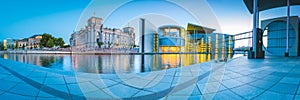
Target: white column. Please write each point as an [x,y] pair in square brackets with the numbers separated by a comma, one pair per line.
[287,26]
[255,20]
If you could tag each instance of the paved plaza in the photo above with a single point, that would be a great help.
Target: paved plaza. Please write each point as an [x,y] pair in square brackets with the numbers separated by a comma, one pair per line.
[237,79]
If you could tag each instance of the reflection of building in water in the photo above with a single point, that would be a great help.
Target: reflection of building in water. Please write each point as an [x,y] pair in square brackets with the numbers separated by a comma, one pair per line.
[83,63]
[94,35]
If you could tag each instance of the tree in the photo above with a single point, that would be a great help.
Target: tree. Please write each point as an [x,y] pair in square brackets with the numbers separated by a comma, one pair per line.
[23,46]
[16,46]
[45,39]
[50,43]
[59,42]
[1,46]
[100,44]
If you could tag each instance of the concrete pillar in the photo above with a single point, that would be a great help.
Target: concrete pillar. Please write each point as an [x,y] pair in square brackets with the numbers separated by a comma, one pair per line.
[255,22]
[287,29]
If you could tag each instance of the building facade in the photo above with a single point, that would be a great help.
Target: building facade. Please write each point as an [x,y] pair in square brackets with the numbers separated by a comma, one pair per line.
[94,35]
[275,40]
[32,42]
[9,44]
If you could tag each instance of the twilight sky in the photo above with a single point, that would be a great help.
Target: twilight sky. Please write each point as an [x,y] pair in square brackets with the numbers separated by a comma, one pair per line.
[23,18]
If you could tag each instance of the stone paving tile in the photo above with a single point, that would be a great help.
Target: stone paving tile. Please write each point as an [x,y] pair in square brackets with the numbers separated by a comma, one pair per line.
[53,75]
[269,95]
[191,90]
[99,94]
[1,92]
[4,76]
[297,97]
[231,83]
[74,89]
[142,93]
[55,80]
[262,84]
[45,95]
[7,85]
[223,95]
[87,87]
[43,98]
[103,83]
[184,74]
[290,80]
[137,82]
[234,75]
[159,87]
[272,78]
[298,90]
[212,87]
[121,91]
[166,79]
[285,88]
[246,79]
[183,98]
[13,79]
[39,80]
[24,89]
[62,88]
[36,74]
[247,91]
[12,96]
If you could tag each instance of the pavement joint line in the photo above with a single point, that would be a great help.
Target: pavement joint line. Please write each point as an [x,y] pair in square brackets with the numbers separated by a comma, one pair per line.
[43,83]
[42,87]
[66,84]
[143,89]
[294,97]
[265,90]
[100,89]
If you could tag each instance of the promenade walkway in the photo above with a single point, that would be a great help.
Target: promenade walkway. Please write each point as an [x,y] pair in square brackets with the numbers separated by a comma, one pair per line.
[237,79]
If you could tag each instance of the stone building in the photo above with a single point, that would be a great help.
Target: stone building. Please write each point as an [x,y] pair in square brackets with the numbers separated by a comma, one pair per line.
[94,36]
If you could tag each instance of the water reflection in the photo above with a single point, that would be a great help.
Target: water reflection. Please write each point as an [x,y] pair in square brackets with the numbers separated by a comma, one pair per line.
[111,63]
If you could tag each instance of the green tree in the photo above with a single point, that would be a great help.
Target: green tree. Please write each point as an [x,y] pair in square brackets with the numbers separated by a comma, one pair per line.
[59,42]
[23,46]
[100,44]
[45,39]
[1,46]
[50,43]
[16,46]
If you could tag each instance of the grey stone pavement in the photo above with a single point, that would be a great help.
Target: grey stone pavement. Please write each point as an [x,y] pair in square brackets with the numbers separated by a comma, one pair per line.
[237,79]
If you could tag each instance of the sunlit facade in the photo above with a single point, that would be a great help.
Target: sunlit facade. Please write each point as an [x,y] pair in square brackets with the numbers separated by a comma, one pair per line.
[170,38]
[195,39]
[94,35]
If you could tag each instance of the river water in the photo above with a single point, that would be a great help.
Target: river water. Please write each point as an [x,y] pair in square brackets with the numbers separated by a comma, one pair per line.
[109,64]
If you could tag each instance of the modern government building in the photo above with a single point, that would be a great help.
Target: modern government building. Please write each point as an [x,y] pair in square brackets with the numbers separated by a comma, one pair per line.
[192,39]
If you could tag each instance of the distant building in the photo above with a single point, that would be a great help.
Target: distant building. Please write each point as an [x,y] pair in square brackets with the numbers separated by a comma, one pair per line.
[34,41]
[198,39]
[9,43]
[29,43]
[94,35]
[21,43]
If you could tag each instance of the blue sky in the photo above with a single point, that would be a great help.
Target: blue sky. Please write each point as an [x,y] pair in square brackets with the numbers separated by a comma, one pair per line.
[23,18]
